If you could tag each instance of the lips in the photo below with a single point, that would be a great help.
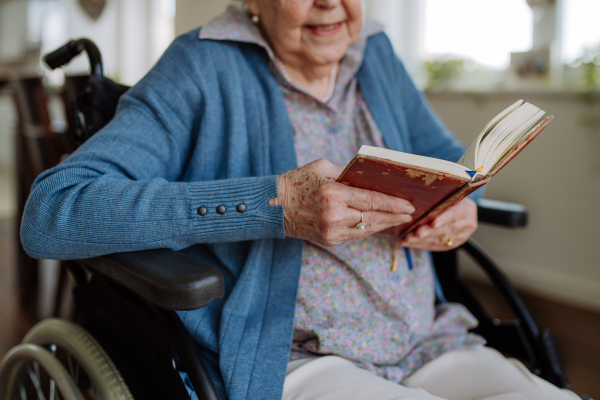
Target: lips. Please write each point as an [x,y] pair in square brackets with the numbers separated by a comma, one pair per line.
[325,29]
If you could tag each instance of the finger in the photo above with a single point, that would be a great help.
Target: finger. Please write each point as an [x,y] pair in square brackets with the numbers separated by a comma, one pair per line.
[325,168]
[408,238]
[333,171]
[452,228]
[432,243]
[444,219]
[423,231]
[440,221]
[439,241]
[375,221]
[428,235]
[368,200]
[429,246]
[456,213]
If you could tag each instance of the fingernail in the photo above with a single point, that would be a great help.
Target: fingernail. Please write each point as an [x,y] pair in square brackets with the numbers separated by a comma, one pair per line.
[409,209]
[412,239]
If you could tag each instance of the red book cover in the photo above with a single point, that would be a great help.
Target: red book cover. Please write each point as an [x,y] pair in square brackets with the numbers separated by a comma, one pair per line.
[422,187]
[431,192]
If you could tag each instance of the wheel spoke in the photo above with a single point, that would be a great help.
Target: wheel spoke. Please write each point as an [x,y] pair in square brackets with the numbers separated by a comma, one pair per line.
[36,369]
[22,391]
[52,389]
[36,382]
[53,394]
[73,370]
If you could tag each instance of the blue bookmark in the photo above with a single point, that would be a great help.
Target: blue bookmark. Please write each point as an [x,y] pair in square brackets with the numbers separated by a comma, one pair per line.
[408,258]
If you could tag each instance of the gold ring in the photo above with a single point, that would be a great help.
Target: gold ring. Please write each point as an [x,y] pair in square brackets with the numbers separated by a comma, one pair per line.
[361,225]
[449,242]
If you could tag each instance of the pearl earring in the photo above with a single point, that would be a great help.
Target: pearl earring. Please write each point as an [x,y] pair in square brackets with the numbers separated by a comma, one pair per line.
[255,19]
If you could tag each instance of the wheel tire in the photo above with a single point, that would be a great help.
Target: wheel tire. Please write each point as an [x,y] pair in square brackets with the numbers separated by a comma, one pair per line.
[86,350]
[20,357]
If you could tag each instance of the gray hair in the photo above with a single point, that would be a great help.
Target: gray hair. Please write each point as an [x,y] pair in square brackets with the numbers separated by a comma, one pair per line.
[241,4]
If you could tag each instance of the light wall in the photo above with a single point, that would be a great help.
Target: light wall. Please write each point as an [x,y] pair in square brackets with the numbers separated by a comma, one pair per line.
[403,22]
[13,33]
[194,13]
[558,178]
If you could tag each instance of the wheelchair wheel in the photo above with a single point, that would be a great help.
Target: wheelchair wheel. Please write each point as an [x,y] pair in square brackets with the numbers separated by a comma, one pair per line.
[29,371]
[88,365]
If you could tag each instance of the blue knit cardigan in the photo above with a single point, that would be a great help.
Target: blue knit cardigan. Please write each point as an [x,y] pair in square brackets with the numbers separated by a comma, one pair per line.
[207,127]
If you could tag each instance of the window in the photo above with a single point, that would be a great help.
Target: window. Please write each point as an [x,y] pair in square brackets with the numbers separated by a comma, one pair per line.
[485,31]
[493,44]
[580,27]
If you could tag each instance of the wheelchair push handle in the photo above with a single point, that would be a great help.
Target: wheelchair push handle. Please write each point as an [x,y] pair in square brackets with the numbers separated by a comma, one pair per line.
[73,48]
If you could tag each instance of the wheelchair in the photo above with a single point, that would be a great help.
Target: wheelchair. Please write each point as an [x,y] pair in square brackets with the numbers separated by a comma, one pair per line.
[125,340]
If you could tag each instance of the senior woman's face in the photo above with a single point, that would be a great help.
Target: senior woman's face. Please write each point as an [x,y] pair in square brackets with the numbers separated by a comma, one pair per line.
[310,31]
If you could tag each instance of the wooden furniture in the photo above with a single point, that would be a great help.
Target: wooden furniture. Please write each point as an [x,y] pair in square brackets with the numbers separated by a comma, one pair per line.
[37,148]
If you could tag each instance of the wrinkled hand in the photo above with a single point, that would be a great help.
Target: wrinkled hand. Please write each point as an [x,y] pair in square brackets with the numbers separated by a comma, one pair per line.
[458,223]
[323,211]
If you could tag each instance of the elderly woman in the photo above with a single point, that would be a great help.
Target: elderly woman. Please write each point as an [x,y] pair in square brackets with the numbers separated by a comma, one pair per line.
[228,151]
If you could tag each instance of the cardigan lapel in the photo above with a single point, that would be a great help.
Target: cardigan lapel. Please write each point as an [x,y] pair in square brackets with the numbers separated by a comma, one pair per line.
[379,96]
[255,341]
[274,120]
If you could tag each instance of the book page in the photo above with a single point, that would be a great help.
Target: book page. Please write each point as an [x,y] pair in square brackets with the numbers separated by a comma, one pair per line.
[505,134]
[416,160]
[469,158]
[510,142]
[507,125]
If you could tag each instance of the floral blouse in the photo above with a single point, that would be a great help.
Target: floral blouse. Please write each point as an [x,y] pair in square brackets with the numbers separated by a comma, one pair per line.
[349,301]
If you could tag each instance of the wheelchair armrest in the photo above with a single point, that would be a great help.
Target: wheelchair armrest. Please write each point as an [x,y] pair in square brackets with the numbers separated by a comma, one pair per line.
[164,277]
[501,213]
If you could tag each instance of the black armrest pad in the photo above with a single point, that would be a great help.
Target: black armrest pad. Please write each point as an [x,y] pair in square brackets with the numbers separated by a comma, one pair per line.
[164,277]
[502,213]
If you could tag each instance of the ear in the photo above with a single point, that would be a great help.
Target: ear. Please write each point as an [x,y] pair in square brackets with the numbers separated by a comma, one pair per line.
[253,6]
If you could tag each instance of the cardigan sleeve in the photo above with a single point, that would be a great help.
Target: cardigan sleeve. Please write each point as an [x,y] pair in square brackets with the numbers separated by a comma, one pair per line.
[122,190]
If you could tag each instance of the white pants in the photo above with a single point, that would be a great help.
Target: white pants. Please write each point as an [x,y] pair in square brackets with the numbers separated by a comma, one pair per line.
[481,373]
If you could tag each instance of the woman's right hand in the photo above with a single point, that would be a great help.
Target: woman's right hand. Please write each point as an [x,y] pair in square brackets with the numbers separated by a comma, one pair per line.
[319,209]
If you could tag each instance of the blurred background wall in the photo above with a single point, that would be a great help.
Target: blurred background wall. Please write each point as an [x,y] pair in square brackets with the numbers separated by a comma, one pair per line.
[503,50]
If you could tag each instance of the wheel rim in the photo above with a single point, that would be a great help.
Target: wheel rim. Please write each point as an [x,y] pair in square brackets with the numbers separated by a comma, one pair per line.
[31,372]
[76,373]
[82,356]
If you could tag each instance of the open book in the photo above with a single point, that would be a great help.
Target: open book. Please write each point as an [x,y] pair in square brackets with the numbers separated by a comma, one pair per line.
[434,185]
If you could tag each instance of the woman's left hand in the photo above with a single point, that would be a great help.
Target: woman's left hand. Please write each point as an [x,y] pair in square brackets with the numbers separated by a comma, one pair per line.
[448,231]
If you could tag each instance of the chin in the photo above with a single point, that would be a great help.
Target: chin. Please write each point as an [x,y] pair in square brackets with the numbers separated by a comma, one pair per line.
[328,56]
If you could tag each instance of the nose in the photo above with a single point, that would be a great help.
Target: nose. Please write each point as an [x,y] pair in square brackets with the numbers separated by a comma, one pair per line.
[328,4]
